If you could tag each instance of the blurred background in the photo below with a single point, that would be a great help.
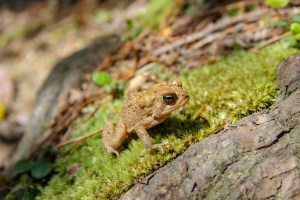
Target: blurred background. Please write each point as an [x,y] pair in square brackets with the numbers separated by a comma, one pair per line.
[34,36]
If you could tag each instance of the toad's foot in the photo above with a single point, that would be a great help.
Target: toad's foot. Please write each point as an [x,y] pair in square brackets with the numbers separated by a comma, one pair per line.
[112,150]
[154,147]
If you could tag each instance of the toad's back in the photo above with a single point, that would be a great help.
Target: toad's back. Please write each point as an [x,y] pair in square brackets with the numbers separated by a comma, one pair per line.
[131,113]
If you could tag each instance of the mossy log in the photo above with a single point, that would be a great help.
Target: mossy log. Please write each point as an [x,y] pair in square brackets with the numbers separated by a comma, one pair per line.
[256,158]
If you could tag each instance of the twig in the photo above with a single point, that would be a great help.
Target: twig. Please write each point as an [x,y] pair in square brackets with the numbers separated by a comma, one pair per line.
[110,98]
[68,132]
[270,41]
[249,17]
[79,139]
[214,36]
[73,147]
[71,115]
[224,8]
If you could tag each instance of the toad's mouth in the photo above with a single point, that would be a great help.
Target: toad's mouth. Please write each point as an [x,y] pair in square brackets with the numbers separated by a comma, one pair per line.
[184,101]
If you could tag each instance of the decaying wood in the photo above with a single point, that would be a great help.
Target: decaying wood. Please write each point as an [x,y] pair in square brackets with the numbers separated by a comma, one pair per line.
[257,158]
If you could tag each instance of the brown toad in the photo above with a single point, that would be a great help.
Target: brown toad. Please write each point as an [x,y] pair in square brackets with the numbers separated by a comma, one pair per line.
[144,110]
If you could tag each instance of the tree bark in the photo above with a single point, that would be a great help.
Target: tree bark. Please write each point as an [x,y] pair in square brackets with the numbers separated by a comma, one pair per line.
[256,158]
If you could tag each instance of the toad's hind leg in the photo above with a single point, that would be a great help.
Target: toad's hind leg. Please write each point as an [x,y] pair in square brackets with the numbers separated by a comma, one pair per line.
[112,139]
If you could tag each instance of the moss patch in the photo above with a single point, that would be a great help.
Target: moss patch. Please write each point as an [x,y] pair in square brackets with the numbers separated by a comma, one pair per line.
[236,86]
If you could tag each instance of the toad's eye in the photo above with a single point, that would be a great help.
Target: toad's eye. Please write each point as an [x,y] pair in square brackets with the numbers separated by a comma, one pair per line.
[169,98]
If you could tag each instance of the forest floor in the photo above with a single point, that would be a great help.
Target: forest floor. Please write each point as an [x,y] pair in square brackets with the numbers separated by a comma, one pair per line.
[160,40]
[33,39]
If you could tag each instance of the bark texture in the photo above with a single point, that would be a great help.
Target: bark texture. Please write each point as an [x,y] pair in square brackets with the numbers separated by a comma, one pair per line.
[256,158]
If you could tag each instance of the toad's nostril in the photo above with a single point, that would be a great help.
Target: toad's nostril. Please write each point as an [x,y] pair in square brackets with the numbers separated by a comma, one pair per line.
[185,95]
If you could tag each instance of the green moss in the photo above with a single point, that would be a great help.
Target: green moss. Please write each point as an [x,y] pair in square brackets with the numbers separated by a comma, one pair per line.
[236,86]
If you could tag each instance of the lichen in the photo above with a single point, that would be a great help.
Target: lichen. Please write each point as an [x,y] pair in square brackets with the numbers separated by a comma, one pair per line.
[221,93]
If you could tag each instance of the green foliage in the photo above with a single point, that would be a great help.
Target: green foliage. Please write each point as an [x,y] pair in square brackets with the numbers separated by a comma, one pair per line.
[279,23]
[233,12]
[102,16]
[296,19]
[295,29]
[191,10]
[102,78]
[20,32]
[149,18]
[38,168]
[26,189]
[292,41]
[41,168]
[23,166]
[236,86]
[276,3]
[154,12]
[191,6]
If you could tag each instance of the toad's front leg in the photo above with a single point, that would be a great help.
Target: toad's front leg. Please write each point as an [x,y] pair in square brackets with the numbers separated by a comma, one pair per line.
[112,139]
[144,136]
[141,130]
